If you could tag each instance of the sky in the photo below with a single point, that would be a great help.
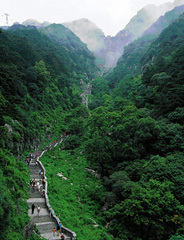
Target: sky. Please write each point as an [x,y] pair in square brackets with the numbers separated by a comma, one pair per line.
[110,16]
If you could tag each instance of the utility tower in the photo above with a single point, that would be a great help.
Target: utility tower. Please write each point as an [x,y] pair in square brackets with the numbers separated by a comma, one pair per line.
[6,15]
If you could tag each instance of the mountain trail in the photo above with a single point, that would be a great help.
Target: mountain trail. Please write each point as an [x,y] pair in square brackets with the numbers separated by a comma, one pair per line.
[43,220]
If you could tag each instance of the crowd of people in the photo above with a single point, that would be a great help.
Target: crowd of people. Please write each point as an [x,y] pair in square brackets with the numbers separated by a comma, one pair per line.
[58,231]
[39,185]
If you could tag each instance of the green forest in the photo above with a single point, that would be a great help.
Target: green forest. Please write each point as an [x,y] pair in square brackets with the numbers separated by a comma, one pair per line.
[130,135]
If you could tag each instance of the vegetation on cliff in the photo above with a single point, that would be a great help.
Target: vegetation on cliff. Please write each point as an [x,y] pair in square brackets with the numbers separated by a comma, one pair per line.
[132,134]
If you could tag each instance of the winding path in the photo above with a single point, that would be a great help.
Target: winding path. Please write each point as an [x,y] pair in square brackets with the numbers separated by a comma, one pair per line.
[43,221]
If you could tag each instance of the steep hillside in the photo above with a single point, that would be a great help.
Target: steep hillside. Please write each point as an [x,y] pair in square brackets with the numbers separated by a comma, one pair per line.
[137,25]
[39,84]
[133,59]
[164,21]
[130,138]
[111,48]
[88,32]
[135,139]
[81,59]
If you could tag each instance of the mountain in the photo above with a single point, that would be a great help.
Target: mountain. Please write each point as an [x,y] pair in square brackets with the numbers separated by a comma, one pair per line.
[39,73]
[33,22]
[164,21]
[39,85]
[77,49]
[111,48]
[136,133]
[158,61]
[88,32]
[131,61]
[132,137]
[137,26]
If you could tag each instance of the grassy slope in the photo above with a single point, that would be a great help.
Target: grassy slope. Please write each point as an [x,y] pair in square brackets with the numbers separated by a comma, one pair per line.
[76,201]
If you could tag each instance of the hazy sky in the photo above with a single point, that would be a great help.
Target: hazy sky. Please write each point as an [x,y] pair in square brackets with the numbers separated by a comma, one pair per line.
[109,15]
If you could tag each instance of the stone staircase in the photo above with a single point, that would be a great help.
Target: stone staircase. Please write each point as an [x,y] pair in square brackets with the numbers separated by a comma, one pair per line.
[43,221]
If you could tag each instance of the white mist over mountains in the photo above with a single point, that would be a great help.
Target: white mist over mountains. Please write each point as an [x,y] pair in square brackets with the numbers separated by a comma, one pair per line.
[107,48]
[111,48]
[110,16]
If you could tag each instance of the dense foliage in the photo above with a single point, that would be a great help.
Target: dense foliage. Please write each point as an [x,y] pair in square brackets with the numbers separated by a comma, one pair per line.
[39,84]
[135,139]
[131,135]
[78,198]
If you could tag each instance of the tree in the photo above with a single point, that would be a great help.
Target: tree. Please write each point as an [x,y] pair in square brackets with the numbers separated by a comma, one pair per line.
[149,212]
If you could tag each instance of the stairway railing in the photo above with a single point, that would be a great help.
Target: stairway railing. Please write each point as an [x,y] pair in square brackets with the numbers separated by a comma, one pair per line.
[65,230]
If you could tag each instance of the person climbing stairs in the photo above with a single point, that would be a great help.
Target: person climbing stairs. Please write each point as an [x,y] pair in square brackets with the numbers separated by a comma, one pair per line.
[44,223]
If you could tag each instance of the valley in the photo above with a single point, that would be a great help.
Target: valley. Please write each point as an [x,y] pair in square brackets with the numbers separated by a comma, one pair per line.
[119,103]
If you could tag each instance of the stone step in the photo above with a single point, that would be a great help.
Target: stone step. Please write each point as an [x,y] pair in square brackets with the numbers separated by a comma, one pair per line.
[43,221]
[34,175]
[44,227]
[32,164]
[50,236]
[38,219]
[42,205]
[32,167]
[35,193]
[43,212]
[33,200]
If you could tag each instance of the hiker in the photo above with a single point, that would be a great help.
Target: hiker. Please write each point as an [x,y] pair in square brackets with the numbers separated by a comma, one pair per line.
[31,182]
[43,192]
[40,172]
[54,231]
[50,212]
[43,182]
[42,175]
[62,236]
[60,225]
[33,187]
[33,208]
[36,163]
[38,209]
[38,186]
[34,184]
[58,230]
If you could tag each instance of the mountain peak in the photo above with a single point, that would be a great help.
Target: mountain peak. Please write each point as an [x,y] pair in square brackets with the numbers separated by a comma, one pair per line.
[33,22]
[88,32]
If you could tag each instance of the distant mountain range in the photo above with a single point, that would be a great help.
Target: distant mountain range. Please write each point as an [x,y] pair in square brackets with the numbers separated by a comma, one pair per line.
[109,49]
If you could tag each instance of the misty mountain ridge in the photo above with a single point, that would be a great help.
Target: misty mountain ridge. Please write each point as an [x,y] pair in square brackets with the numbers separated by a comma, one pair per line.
[122,152]
[111,48]
[164,21]
[88,32]
[33,22]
